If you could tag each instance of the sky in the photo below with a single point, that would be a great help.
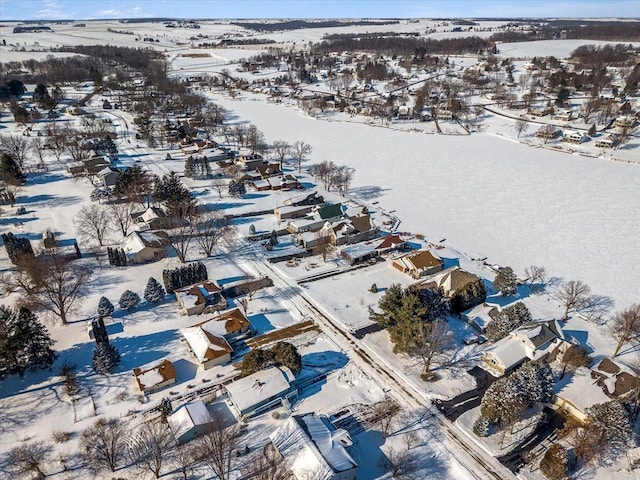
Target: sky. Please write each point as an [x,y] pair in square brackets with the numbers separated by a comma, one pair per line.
[98,9]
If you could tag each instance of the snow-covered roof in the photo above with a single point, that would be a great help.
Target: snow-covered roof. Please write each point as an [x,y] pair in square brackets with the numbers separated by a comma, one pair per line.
[482,314]
[260,386]
[310,449]
[138,241]
[509,351]
[204,344]
[149,378]
[198,293]
[189,416]
[580,389]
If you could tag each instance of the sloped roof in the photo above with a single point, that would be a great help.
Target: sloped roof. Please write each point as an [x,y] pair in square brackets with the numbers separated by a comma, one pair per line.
[540,333]
[155,375]
[198,293]
[311,447]
[138,241]
[361,223]
[330,211]
[189,416]
[260,386]
[205,344]
[580,389]
[509,351]
[390,241]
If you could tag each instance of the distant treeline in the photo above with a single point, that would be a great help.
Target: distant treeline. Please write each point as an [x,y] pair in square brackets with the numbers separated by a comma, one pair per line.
[245,41]
[341,36]
[590,56]
[39,28]
[297,24]
[585,30]
[407,46]
[137,58]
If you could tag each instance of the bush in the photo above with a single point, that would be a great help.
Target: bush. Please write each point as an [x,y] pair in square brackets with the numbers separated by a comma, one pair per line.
[60,437]
[554,463]
[373,288]
[481,426]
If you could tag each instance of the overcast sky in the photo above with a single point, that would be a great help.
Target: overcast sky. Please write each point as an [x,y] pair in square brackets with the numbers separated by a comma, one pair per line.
[88,9]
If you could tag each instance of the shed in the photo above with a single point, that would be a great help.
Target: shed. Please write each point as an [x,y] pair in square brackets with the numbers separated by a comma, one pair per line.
[190,421]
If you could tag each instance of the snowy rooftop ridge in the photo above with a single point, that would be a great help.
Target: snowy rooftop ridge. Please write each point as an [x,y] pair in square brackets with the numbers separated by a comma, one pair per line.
[330,442]
[188,416]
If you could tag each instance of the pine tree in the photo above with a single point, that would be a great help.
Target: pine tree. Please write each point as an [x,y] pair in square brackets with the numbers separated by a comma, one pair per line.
[189,170]
[10,171]
[105,358]
[17,247]
[252,229]
[25,344]
[129,300]
[506,281]
[506,321]
[153,292]
[273,240]
[287,355]
[105,307]
[554,463]
[166,279]
[481,426]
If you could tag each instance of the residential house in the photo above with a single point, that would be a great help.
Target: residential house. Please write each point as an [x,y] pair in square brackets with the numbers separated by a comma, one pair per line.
[316,219]
[261,391]
[624,121]
[207,343]
[250,162]
[540,111]
[107,176]
[563,115]
[203,297]
[615,379]
[154,218]
[480,316]
[281,182]
[95,164]
[548,132]
[574,136]
[290,211]
[533,341]
[192,147]
[364,251]
[190,421]
[419,263]
[355,229]
[311,447]
[451,280]
[155,378]
[444,114]
[389,243]
[575,393]
[143,247]
[606,141]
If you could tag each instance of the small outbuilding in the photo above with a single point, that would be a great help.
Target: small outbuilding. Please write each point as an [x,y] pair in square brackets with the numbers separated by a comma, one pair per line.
[155,378]
[190,421]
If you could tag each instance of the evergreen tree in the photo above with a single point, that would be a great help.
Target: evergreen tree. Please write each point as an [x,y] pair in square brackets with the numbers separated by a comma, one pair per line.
[506,281]
[171,191]
[18,248]
[472,294]
[273,240]
[554,464]
[153,292]
[610,425]
[508,320]
[129,300]
[189,169]
[256,360]
[105,307]
[287,355]
[25,344]
[237,189]
[481,426]
[105,358]
[10,171]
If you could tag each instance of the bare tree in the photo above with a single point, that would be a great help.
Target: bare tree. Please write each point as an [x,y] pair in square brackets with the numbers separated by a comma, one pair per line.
[104,444]
[401,462]
[182,459]
[216,448]
[210,227]
[300,151]
[92,222]
[574,294]
[149,446]
[121,216]
[323,244]
[37,145]
[536,274]
[282,149]
[266,465]
[521,127]
[17,146]
[52,282]
[625,327]
[575,356]
[384,413]
[219,185]
[180,239]
[434,339]
[27,460]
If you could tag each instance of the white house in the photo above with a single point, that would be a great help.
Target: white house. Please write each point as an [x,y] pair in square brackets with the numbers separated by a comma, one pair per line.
[480,315]
[312,448]
[574,394]
[261,391]
[143,247]
[533,341]
[606,141]
[189,421]
[574,136]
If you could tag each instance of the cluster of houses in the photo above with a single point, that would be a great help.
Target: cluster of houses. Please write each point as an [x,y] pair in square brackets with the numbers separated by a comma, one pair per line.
[98,169]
